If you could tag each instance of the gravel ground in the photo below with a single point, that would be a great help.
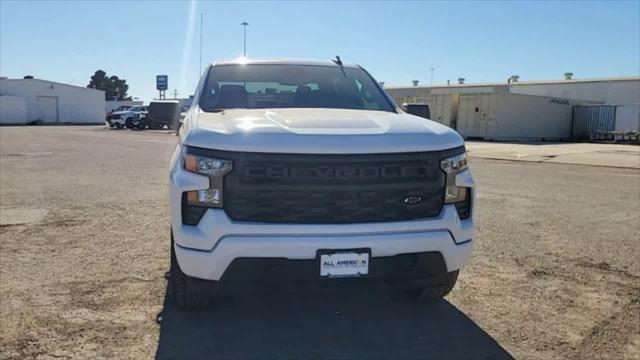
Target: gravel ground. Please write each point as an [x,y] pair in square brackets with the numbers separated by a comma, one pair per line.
[85,241]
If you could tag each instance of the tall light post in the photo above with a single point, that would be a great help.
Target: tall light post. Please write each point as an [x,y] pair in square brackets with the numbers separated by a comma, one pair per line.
[432,75]
[201,24]
[244,33]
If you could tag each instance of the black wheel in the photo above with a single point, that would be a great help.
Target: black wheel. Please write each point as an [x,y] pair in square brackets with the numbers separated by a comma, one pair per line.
[129,123]
[119,126]
[187,293]
[435,291]
[153,126]
[140,126]
[110,124]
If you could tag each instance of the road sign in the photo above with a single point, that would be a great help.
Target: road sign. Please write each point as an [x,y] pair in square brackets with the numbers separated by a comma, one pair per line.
[162,82]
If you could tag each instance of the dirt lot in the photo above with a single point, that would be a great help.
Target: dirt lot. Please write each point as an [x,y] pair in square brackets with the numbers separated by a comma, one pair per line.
[84,244]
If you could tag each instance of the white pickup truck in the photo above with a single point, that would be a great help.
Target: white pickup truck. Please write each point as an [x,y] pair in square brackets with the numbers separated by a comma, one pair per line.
[307,170]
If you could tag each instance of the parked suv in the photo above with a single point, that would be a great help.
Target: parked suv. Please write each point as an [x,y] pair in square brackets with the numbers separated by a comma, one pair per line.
[119,108]
[304,170]
[126,117]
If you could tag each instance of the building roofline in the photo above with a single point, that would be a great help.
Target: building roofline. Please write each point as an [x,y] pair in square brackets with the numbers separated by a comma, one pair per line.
[520,82]
[52,82]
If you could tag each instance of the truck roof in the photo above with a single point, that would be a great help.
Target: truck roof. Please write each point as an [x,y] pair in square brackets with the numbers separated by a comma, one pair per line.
[241,61]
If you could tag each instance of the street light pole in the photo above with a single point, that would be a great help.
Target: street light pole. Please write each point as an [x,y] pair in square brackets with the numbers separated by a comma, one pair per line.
[201,23]
[244,33]
[432,75]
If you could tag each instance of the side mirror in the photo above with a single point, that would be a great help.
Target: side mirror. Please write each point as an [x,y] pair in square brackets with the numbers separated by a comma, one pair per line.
[421,110]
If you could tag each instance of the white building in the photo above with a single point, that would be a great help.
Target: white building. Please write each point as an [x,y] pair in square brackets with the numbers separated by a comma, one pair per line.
[620,90]
[528,109]
[24,101]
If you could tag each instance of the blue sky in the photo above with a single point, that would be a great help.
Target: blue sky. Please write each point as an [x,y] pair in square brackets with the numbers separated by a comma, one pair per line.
[396,41]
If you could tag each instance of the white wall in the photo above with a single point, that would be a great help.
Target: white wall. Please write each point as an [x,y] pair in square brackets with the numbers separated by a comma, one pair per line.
[628,117]
[614,91]
[514,116]
[468,89]
[74,104]
[609,92]
[532,117]
[410,93]
[13,110]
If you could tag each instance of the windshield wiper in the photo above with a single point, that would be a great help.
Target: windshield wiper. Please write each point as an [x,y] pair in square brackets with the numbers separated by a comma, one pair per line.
[338,62]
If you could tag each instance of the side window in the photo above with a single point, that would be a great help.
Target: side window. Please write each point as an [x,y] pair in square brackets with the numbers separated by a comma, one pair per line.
[359,85]
[369,100]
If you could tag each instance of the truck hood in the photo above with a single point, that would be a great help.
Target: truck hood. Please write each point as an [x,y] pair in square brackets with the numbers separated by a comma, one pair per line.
[316,131]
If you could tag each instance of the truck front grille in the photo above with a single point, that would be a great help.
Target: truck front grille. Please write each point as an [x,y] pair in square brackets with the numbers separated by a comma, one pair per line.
[352,188]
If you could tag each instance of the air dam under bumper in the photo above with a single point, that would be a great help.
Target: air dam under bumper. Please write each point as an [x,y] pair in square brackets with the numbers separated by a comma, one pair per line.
[205,251]
[211,263]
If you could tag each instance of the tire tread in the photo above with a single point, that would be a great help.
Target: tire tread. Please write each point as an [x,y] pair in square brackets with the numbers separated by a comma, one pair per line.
[186,294]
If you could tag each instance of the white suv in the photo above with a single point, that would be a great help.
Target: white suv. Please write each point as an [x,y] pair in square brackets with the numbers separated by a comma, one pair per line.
[127,117]
[304,170]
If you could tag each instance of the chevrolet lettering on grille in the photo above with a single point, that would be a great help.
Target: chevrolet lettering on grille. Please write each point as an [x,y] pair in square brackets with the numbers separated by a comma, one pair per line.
[327,173]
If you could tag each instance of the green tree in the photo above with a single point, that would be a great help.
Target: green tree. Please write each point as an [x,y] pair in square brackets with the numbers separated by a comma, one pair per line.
[114,87]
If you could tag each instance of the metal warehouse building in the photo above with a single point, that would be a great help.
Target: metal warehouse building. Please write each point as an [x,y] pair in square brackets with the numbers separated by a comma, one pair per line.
[536,110]
[24,101]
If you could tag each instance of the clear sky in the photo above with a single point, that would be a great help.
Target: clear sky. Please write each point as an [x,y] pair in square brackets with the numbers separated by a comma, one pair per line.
[396,41]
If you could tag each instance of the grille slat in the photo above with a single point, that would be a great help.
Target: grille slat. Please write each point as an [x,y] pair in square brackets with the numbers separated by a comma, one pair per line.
[352,188]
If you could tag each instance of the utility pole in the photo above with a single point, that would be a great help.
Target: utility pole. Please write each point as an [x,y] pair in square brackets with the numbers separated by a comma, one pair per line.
[432,75]
[244,32]
[201,22]
[175,93]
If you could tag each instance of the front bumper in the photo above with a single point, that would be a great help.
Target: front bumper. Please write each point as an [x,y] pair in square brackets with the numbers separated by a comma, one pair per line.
[206,251]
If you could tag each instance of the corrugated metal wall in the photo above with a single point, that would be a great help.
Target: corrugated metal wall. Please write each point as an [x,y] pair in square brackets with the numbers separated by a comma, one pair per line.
[591,119]
[443,106]
[476,114]
[514,117]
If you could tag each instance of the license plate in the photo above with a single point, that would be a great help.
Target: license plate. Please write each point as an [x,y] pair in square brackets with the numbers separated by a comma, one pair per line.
[348,263]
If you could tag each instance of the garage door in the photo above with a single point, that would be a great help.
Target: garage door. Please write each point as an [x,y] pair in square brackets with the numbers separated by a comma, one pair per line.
[47,109]
[589,120]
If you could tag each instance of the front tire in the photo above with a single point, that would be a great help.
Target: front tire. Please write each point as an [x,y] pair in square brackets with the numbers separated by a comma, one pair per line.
[129,123]
[185,290]
[119,126]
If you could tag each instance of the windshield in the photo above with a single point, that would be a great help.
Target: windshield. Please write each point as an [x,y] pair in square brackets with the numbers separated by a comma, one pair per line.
[261,86]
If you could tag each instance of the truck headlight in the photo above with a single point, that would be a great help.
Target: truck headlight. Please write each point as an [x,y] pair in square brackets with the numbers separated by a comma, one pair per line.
[461,196]
[206,165]
[215,169]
